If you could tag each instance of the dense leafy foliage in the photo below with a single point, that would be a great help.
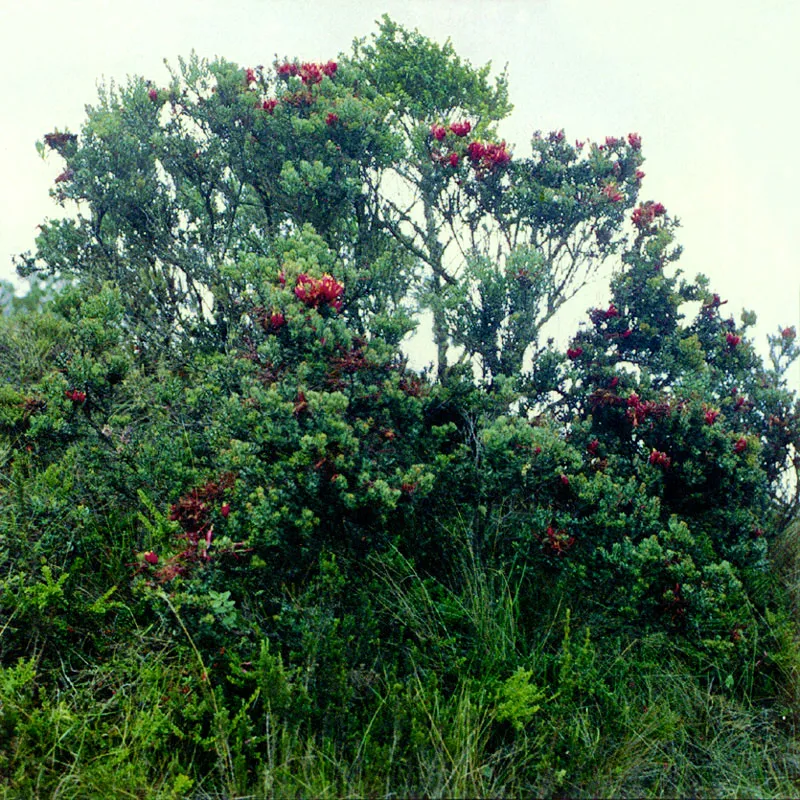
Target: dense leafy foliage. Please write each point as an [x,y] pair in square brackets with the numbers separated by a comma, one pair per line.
[221,476]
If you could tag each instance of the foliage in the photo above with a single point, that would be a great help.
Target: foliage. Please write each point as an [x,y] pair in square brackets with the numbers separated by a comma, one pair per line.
[244,547]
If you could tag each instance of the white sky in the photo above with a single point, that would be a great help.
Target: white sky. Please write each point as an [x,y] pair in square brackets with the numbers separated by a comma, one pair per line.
[711,86]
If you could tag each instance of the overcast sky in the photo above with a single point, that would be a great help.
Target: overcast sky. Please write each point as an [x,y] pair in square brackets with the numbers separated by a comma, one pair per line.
[711,86]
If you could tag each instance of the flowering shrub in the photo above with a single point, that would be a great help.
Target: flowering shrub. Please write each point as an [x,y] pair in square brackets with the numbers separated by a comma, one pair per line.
[254,463]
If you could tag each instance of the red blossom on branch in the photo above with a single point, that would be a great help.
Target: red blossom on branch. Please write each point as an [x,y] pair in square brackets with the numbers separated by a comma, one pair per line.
[611,191]
[574,352]
[635,141]
[438,132]
[557,541]
[331,119]
[659,459]
[710,416]
[476,150]
[740,445]
[315,292]
[269,105]
[288,69]
[461,128]
[733,340]
[453,159]
[76,396]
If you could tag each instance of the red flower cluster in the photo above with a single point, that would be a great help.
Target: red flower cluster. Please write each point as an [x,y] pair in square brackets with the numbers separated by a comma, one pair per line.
[453,159]
[659,459]
[733,340]
[557,542]
[645,214]
[461,128]
[598,315]
[488,155]
[192,513]
[153,94]
[574,352]
[269,105]
[612,141]
[309,71]
[438,132]
[76,396]
[710,416]
[635,141]
[331,119]
[249,76]
[611,191]
[593,446]
[789,333]
[315,292]
[740,445]
[639,411]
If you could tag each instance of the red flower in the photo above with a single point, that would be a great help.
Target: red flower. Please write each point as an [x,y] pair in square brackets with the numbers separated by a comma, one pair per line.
[574,352]
[461,128]
[638,175]
[612,312]
[558,542]
[564,479]
[612,193]
[741,445]
[612,141]
[438,132]
[310,73]
[76,396]
[732,339]
[789,333]
[659,459]
[646,213]
[249,76]
[288,69]
[496,155]
[225,509]
[330,68]
[315,292]
[269,105]
[635,141]
[593,446]
[276,321]
[331,119]
[151,558]
[476,151]
[453,159]
[711,416]
[153,94]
